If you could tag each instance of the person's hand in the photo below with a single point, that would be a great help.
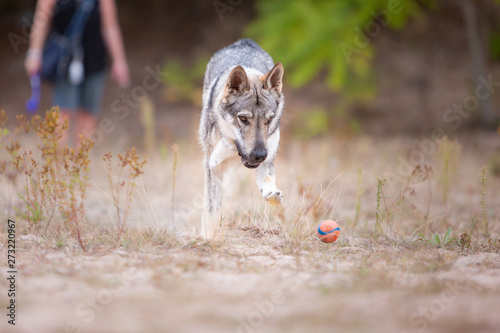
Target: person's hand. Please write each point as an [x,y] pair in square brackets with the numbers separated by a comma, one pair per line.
[120,72]
[33,62]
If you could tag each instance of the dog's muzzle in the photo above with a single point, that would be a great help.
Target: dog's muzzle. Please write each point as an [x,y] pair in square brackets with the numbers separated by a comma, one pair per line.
[249,165]
[255,159]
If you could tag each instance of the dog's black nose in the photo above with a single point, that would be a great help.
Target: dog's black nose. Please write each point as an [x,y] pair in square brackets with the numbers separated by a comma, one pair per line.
[258,155]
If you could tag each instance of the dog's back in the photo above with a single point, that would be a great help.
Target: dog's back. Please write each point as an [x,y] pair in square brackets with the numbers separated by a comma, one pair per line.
[245,53]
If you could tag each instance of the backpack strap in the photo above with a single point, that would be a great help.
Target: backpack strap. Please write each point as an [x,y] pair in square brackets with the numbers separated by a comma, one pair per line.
[77,24]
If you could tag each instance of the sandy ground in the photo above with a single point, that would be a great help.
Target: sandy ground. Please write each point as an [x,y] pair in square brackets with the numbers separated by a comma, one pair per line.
[246,286]
[267,272]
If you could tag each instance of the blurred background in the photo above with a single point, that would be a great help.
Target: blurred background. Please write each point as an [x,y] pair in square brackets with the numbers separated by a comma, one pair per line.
[370,86]
[370,67]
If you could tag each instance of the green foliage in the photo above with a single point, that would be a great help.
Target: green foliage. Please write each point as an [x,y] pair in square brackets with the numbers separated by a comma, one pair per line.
[483,202]
[311,123]
[311,36]
[33,214]
[439,241]
[182,81]
[447,159]
[60,243]
[442,241]
[378,213]
[494,41]
[495,164]
[359,193]
[495,44]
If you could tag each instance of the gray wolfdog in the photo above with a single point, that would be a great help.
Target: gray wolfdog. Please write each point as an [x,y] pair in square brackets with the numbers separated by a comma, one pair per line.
[242,106]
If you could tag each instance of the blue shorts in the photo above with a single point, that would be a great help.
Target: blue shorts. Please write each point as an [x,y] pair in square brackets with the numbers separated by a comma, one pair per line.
[86,95]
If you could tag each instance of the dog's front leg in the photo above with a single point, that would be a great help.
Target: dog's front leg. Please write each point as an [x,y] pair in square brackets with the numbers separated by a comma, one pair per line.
[215,166]
[266,175]
[211,202]
[266,181]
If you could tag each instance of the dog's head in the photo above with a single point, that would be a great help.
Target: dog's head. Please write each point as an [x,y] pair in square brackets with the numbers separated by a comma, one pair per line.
[252,107]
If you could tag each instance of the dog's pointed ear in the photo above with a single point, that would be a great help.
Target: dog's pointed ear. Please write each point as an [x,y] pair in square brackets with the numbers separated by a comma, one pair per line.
[273,80]
[237,83]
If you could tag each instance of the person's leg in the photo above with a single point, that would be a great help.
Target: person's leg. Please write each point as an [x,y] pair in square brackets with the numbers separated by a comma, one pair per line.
[91,94]
[65,97]
[85,124]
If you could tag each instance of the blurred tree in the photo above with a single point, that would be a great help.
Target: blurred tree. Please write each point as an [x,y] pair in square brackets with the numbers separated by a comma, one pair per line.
[310,36]
[478,47]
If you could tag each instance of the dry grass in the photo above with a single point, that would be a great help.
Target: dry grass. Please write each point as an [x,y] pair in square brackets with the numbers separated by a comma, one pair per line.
[267,271]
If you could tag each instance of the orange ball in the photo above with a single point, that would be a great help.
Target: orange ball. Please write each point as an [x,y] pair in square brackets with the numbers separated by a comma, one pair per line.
[328,231]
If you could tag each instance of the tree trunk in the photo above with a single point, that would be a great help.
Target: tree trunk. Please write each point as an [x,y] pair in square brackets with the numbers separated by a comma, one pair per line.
[479,58]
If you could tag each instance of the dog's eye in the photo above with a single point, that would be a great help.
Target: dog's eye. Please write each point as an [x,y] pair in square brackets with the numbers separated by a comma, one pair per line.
[269,120]
[243,119]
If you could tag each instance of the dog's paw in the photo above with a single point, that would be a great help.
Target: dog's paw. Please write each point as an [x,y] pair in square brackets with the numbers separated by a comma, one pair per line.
[274,198]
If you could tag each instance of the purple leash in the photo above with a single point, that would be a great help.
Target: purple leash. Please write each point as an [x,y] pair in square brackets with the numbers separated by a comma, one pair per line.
[34,101]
